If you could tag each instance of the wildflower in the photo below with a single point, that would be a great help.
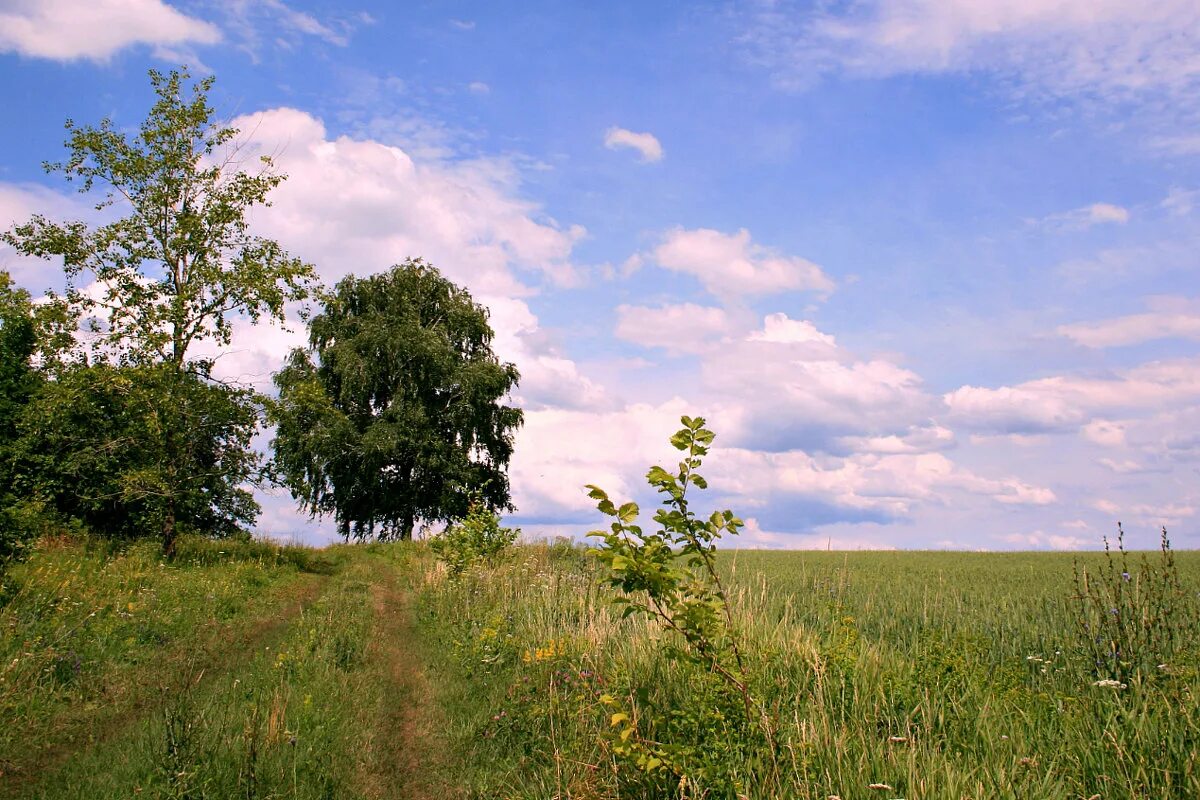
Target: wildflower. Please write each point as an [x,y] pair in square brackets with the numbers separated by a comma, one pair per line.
[881,786]
[1109,683]
[1124,576]
[897,739]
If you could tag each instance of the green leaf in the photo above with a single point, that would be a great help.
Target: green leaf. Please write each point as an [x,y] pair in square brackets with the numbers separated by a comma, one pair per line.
[596,492]
[627,512]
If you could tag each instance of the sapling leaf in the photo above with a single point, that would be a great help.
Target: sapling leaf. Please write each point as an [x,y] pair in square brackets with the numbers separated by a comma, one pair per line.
[627,512]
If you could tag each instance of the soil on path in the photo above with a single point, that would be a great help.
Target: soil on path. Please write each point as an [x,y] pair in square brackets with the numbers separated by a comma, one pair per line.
[403,759]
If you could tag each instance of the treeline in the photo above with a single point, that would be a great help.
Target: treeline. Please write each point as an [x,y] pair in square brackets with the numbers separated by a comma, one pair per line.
[113,423]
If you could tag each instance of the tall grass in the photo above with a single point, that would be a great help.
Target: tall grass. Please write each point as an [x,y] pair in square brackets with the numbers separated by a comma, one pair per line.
[86,627]
[927,675]
[289,723]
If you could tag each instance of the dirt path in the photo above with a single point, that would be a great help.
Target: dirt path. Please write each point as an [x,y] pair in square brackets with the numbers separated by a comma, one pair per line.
[403,759]
[220,650]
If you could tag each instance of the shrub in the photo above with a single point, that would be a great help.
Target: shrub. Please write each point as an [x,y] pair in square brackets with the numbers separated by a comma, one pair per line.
[477,538]
[670,575]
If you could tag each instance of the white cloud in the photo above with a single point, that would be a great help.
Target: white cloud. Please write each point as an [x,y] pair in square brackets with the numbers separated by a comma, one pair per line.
[645,143]
[820,396]
[1064,403]
[66,30]
[917,439]
[254,21]
[1040,540]
[1088,216]
[1167,514]
[678,328]
[1172,318]
[1105,432]
[478,87]
[731,265]
[18,202]
[1179,201]
[779,328]
[352,205]
[1180,145]
[359,206]
[1112,48]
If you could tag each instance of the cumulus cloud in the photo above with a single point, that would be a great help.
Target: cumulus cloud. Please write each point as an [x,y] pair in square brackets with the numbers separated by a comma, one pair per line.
[821,396]
[68,30]
[646,144]
[356,205]
[18,202]
[1063,403]
[359,206]
[677,328]
[731,265]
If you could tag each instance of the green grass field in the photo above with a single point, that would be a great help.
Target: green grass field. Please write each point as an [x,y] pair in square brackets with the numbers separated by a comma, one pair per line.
[246,670]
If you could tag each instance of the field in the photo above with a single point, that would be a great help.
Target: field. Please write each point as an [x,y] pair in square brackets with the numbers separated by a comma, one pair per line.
[247,670]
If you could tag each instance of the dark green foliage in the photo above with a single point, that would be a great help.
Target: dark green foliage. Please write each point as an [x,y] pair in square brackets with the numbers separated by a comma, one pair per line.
[174,271]
[399,418]
[18,381]
[91,448]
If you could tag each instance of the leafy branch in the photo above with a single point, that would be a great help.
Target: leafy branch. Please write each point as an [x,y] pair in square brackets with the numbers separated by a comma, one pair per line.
[670,574]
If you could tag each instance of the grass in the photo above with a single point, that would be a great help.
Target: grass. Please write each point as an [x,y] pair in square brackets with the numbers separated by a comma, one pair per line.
[247,670]
[937,675]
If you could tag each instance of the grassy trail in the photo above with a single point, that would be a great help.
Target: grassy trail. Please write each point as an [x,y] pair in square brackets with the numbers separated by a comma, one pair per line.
[131,698]
[402,756]
[314,686]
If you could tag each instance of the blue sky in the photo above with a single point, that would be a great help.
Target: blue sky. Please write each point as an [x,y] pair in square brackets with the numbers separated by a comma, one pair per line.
[928,268]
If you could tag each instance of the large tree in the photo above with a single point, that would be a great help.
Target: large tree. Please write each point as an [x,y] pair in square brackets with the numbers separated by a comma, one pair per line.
[401,416]
[18,381]
[176,268]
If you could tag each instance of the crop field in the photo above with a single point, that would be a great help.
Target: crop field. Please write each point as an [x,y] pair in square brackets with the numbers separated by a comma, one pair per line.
[246,670]
[915,675]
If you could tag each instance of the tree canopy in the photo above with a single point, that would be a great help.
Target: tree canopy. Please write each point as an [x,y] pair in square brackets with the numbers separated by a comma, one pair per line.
[176,270]
[182,262]
[400,416]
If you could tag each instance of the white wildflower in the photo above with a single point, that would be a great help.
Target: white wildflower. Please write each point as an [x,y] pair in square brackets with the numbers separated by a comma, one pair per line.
[1109,683]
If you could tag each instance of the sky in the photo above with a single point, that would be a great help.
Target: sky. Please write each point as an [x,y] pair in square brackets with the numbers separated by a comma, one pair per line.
[927,267]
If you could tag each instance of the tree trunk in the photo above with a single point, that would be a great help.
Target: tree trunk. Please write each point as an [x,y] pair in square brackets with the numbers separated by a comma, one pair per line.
[168,531]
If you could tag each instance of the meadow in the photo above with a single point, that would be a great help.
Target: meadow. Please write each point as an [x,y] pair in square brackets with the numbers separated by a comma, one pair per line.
[249,670]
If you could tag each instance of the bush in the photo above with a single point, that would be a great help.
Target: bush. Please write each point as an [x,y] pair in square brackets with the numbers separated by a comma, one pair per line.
[477,538]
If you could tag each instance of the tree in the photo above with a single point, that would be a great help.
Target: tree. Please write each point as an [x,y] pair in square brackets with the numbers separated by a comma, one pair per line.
[400,417]
[18,381]
[91,447]
[179,267]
